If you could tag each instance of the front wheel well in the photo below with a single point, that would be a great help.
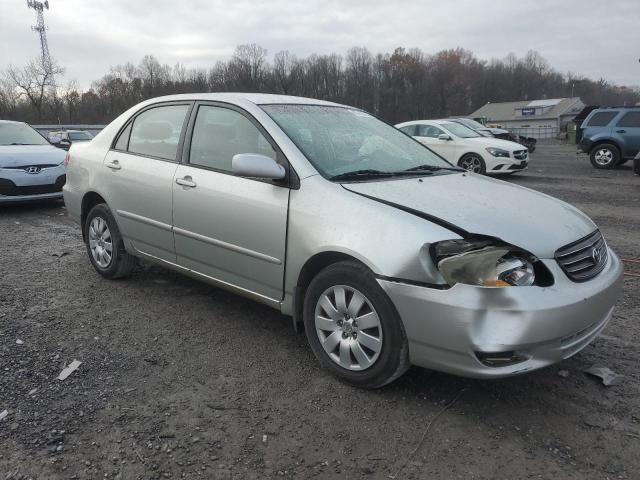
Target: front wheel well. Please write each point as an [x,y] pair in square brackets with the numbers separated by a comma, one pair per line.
[607,141]
[311,268]
[90,200]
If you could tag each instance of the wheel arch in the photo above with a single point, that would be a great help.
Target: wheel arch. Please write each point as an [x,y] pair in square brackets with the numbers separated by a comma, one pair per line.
[309,270]
[89,200]
[471,152]
[609,141]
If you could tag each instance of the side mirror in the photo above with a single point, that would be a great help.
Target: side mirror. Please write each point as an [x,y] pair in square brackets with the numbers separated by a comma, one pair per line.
[255,165]
[55,140]
[444,136]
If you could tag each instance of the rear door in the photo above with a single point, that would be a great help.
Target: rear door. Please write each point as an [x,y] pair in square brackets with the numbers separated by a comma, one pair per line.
[628,129]
[230,228]
[138,177]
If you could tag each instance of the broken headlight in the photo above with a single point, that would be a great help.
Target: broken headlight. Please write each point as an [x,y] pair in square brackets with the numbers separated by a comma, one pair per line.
[484,262]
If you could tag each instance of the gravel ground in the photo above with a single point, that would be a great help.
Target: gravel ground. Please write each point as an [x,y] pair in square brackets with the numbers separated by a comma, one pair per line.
[182,380]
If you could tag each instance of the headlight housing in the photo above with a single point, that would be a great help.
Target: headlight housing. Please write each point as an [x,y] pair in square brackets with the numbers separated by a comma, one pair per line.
[498,152]
[488,262]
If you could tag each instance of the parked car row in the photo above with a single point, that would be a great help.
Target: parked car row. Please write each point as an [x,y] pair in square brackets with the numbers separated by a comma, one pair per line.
[401,262]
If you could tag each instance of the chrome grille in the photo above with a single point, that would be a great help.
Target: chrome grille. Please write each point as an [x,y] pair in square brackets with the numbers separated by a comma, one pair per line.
[520,154]
[583,259]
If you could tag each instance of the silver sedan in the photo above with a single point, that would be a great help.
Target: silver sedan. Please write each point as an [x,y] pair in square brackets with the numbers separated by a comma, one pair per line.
[386,254]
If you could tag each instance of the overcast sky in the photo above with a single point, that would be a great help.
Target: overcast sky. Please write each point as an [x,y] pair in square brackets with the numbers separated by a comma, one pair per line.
[592,38]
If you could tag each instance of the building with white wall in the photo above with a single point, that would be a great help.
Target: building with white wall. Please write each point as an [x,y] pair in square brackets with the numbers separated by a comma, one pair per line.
[534,118]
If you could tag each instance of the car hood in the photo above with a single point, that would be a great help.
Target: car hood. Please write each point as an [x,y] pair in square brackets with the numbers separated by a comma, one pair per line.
[27,155]
[496,143]
[497,131]
[522,217]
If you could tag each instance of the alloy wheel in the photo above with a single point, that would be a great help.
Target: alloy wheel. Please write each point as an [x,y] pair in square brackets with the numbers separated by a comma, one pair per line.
[100,242]
[472,163]
[348,328]
[603,157]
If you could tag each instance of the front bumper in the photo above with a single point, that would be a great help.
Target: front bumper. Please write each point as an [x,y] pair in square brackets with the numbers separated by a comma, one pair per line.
[506,165]
[16,185]
[542,325]
[30,198]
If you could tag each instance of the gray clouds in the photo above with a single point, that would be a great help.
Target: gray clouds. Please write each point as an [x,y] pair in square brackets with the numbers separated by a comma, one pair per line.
[592,38]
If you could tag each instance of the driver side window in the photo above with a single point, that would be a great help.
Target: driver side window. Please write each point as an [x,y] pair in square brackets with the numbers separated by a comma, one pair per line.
[429,131]
[220,133]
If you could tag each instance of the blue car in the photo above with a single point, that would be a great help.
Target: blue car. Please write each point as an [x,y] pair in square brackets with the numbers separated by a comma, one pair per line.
[30,167]
[611,136]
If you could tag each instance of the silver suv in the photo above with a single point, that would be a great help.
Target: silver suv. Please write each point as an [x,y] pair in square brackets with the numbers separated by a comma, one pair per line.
[387,254]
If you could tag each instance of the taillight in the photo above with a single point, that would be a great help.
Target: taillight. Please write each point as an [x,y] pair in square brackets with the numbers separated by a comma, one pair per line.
[67,159]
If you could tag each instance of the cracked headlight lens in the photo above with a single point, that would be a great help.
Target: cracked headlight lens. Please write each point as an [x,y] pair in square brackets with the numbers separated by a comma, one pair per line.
[484,263]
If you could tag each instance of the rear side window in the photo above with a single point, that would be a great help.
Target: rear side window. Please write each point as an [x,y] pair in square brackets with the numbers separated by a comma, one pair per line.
[220,133]
[630,119]
[601,119]
[156,132]
[123,139]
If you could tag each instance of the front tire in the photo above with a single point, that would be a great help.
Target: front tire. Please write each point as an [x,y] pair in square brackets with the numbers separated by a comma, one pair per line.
[353,327]
[636,165]
[104,244]
[472,162]
[604,156]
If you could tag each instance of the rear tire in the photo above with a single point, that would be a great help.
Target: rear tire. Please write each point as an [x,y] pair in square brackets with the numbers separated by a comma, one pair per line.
[472,162]
[353,327]
[104,244]
[604,156]
[636,165]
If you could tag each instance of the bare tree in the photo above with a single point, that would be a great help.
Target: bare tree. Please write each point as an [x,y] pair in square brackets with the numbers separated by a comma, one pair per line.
[34,80]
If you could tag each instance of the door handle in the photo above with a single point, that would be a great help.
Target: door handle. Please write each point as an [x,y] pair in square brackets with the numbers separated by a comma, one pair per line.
[114,165]
[186,182]
[621,131]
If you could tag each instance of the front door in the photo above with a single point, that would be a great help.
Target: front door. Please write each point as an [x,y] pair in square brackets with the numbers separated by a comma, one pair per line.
[138,177]
[429,135]
[230,228]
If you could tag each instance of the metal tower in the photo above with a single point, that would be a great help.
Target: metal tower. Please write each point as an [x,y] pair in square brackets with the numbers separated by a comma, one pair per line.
[41,28]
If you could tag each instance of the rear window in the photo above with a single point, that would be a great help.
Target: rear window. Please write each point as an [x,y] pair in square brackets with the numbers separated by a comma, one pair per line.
[601,119]
[630,119]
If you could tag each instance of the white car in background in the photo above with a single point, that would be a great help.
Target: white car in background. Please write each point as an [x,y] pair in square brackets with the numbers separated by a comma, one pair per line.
[466,148]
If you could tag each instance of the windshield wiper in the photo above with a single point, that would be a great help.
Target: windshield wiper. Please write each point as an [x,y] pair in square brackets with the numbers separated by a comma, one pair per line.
[432,168]
[361,175]
[16,143]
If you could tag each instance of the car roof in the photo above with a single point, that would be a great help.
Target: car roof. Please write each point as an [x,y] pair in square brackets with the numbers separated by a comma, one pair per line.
[255,98]
[13,122]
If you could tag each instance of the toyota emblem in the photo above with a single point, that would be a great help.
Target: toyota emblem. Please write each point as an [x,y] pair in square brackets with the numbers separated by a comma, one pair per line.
[32,170]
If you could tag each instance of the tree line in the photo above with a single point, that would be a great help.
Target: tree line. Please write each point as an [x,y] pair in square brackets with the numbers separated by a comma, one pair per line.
[403,85]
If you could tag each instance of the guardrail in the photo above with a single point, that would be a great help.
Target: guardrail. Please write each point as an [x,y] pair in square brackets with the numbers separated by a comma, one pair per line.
[536,132]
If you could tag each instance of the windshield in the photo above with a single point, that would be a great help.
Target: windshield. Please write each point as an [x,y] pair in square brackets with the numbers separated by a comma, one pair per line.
[338,141]
[20,134]
[460,130]
[471,123]
[80,136]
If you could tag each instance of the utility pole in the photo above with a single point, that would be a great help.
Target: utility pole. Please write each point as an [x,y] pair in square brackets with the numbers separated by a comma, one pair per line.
[41,28]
